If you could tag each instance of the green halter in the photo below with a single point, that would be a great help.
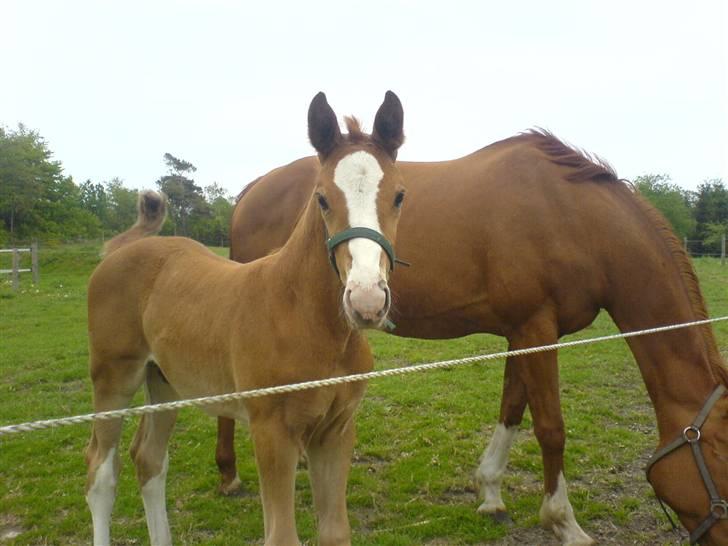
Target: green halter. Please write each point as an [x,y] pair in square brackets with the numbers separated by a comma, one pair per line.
[363,233]
[360,233]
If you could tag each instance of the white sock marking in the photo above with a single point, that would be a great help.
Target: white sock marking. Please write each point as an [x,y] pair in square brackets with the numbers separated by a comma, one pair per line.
[100,499]
[558,515]
[155,507]
[492,466]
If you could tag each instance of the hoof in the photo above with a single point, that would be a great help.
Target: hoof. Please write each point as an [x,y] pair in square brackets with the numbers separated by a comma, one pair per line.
[232,488]
[498,515]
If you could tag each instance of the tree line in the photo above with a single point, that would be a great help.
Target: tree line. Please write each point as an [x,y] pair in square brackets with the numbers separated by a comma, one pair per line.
[37,201]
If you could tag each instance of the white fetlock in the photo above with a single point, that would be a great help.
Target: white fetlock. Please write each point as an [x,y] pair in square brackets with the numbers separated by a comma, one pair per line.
[155,507]
[489,474]
[100,499]
[558,515]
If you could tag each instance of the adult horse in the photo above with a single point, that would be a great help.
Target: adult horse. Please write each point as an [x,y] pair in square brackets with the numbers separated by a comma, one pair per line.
[529,239]
[210,326]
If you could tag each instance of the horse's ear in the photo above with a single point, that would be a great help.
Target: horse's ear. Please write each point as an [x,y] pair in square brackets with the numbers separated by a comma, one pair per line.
[388,131]
[323,129]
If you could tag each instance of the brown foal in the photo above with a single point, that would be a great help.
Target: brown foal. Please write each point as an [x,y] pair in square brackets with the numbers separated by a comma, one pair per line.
[166,313]
[528,238]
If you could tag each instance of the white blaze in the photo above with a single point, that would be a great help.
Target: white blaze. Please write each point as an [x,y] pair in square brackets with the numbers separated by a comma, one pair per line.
[358,176]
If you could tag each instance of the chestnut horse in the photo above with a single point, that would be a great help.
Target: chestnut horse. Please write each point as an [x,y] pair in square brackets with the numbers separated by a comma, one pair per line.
[166,313]
[529,239]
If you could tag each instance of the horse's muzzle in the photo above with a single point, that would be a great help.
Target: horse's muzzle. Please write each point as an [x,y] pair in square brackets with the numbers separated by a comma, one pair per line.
[367,306]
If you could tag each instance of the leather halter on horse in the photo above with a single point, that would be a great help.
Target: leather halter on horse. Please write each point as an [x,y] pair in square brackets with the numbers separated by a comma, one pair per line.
[365,233]
[691,436]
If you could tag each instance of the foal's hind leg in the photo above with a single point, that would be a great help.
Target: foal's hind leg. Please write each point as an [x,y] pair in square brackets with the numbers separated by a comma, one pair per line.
[149,453]
[489,474]
[540,376]
[114,384]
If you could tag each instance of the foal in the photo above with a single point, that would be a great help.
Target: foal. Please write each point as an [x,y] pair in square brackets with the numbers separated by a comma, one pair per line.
[213,326]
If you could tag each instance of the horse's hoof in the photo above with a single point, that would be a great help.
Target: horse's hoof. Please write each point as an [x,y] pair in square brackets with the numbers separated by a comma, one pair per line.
[498,515]
[232,488]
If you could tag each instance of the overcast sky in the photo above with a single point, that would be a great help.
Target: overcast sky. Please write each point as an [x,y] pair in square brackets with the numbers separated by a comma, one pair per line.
[226,85]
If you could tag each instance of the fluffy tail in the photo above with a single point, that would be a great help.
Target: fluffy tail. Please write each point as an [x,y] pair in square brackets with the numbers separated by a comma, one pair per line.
[152,211]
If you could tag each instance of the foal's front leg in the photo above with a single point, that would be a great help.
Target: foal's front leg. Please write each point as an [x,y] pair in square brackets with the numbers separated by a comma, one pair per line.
[276,453]
[329,462]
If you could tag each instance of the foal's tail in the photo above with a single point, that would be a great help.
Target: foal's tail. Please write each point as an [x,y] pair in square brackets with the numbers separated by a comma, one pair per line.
[151,213]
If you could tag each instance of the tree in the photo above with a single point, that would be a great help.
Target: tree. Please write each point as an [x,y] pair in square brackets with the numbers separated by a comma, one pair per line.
[122,208]
[185,198]
[94,199]
[711,213]
[26,169]
[670,199]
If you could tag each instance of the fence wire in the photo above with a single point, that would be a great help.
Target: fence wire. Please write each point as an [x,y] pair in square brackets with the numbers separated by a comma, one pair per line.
[295,387]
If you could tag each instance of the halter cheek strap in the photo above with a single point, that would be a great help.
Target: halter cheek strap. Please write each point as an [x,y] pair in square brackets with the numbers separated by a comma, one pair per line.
[691,436]
[361,233]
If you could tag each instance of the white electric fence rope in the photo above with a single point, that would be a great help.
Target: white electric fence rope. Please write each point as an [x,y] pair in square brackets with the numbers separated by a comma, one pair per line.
[283,389]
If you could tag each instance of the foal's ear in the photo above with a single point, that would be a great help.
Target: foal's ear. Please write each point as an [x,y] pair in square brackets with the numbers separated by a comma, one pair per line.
[323,129]
[388,123]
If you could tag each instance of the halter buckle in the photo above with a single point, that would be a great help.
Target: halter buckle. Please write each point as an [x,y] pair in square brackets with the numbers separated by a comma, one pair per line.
[687,431]
[719,509]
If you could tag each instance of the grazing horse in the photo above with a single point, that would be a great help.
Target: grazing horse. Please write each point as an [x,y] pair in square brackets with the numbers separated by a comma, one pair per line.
[166,313]
[528,239]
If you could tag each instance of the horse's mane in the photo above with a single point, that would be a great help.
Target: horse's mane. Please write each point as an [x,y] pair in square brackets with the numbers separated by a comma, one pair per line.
[585,166]
[690,280]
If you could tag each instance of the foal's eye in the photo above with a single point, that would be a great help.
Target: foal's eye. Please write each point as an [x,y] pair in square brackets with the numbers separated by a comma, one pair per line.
[323,203]
[398,199]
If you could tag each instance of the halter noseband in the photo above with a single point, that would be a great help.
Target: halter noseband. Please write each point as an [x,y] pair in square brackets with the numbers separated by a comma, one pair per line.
[691,436]
[361,233]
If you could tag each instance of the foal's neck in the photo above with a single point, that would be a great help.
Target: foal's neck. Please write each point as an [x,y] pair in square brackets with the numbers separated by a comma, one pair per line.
[303,269]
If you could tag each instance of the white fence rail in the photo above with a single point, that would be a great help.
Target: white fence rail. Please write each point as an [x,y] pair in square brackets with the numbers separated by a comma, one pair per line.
[16,270]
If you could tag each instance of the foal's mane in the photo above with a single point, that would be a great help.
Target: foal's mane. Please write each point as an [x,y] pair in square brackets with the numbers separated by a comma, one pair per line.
[585,166]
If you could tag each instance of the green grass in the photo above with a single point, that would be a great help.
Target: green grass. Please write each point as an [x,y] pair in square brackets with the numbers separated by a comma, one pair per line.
[420,438]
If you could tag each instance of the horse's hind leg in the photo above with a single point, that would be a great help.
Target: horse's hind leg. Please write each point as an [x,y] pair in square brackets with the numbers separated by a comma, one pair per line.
[149,453]
[489,474]
[225,456]
[114,385]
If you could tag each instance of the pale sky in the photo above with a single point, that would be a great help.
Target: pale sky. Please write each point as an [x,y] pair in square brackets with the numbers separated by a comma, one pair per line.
[226,85]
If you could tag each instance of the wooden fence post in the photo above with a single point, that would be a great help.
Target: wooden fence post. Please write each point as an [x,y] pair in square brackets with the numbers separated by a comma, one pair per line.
[685,245]
[722,251]
[16,265]
[34,262]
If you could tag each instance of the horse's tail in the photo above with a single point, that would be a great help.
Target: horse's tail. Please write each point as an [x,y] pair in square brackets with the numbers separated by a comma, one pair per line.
[151,213]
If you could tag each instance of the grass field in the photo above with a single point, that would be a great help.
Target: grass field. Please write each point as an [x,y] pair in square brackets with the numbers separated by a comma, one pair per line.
[420,438]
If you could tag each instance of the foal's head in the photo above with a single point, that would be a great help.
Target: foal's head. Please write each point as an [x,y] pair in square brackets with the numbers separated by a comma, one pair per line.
[359,193]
